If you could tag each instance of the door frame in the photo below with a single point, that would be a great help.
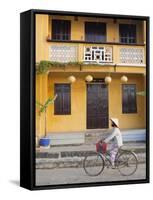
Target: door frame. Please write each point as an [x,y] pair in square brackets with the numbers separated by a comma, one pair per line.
[96,82]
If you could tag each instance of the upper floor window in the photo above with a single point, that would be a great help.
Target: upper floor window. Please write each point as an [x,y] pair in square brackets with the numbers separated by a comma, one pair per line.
[127,33]
[95,32]
[61,29]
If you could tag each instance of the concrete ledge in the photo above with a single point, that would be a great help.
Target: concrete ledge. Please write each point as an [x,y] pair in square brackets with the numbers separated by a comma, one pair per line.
[91,136]
[72,162]
[66,138]
[134,135]
[71,154]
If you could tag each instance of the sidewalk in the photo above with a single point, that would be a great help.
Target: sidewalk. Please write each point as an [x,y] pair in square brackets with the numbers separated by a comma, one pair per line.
[73,155]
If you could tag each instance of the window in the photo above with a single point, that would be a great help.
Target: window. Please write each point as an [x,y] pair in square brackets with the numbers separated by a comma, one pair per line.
[62,105]
[129,104]
[127,33]
[95,32]
[61,29]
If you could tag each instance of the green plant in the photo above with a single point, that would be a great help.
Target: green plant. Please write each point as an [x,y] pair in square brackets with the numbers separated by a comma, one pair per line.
[45,65]
[142,93]
[43,108]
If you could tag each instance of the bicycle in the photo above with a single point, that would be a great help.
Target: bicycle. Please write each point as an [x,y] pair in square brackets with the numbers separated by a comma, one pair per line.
[126,162]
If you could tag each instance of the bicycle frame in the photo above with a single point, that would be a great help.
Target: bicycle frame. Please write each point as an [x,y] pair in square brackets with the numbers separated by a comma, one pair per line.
[119,163]
[106,156]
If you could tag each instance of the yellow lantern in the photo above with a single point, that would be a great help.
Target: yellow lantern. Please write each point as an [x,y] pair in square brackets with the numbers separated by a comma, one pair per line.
[71,79]
[124,79]
[89,78]
[108,79]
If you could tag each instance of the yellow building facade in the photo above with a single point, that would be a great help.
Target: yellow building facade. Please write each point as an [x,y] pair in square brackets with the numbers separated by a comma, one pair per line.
[89,104]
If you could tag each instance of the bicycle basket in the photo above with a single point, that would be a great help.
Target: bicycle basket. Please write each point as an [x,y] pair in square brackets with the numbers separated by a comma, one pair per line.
[101,147]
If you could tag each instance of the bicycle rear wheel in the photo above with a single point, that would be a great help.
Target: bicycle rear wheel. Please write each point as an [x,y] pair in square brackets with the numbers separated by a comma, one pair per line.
[127,163]
[93,164]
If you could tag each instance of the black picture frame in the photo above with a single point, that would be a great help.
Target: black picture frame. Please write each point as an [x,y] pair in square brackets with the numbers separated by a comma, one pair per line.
[27,99]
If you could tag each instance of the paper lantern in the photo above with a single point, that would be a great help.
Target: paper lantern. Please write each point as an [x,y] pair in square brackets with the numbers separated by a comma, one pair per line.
[108,79]
[89,78]
[71,79]
[124,79]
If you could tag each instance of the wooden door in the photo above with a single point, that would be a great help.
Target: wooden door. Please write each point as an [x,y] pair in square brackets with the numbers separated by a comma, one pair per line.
[97,106]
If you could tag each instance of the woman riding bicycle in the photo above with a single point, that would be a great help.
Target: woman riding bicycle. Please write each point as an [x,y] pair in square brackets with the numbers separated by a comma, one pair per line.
[125,160]
[116,140]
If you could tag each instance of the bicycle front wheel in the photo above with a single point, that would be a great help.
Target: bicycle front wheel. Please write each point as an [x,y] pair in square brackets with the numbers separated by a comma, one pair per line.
[127,163]
[93,164]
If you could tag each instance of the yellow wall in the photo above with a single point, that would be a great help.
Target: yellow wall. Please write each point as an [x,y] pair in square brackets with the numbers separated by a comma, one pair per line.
[41,96]
[135,120]
[112,27]
[77,120]
[45,82]
[43,30]
[41,36]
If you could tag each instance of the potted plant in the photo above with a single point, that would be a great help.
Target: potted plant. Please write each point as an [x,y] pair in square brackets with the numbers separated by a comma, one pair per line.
[45,141]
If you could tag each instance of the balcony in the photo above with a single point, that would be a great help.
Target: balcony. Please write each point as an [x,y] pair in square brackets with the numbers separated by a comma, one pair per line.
[63,53]
[103,54]
[131,55]
[98,55]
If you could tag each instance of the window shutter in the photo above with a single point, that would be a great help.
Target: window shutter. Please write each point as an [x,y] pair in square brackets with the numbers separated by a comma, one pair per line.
[129,98]
[127,33]
[61,29]
[63,104]
[95,32]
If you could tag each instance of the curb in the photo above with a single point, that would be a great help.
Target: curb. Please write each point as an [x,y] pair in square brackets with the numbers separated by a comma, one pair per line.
[72,162]
[65,154]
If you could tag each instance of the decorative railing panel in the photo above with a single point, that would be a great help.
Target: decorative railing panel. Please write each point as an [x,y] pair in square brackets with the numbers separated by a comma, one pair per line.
[63,54]
[132,55]
[96,54]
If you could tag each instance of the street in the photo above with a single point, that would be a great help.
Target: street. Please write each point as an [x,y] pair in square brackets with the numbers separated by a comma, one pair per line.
[78,175]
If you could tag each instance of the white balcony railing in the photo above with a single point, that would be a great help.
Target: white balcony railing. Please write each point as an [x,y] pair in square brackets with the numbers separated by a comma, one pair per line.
[131,55]
[99,55]
[63,53]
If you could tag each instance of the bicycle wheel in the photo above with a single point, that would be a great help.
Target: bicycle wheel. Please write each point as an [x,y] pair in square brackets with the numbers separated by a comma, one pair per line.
[93,164]
[127,163]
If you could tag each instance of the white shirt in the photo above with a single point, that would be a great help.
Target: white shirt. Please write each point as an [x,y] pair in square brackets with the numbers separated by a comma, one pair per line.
[116,135]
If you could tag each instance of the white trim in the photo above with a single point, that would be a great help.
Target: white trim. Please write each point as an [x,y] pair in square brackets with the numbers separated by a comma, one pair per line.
[133,65]
[113,64]
[98,64]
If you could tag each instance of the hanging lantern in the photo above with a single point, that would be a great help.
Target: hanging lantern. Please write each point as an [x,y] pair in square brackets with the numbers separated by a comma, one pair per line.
[71,79]
[89,78]
[124,79]
[108,79]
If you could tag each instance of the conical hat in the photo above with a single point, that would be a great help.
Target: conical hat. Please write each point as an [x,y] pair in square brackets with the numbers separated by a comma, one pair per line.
[115,120]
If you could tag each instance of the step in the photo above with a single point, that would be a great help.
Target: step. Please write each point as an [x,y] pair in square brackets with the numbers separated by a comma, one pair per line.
[73,162]
[90,136]
[78,153]
[66,138]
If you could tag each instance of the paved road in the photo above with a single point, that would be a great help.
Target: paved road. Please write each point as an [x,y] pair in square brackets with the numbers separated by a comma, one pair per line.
[77,175]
